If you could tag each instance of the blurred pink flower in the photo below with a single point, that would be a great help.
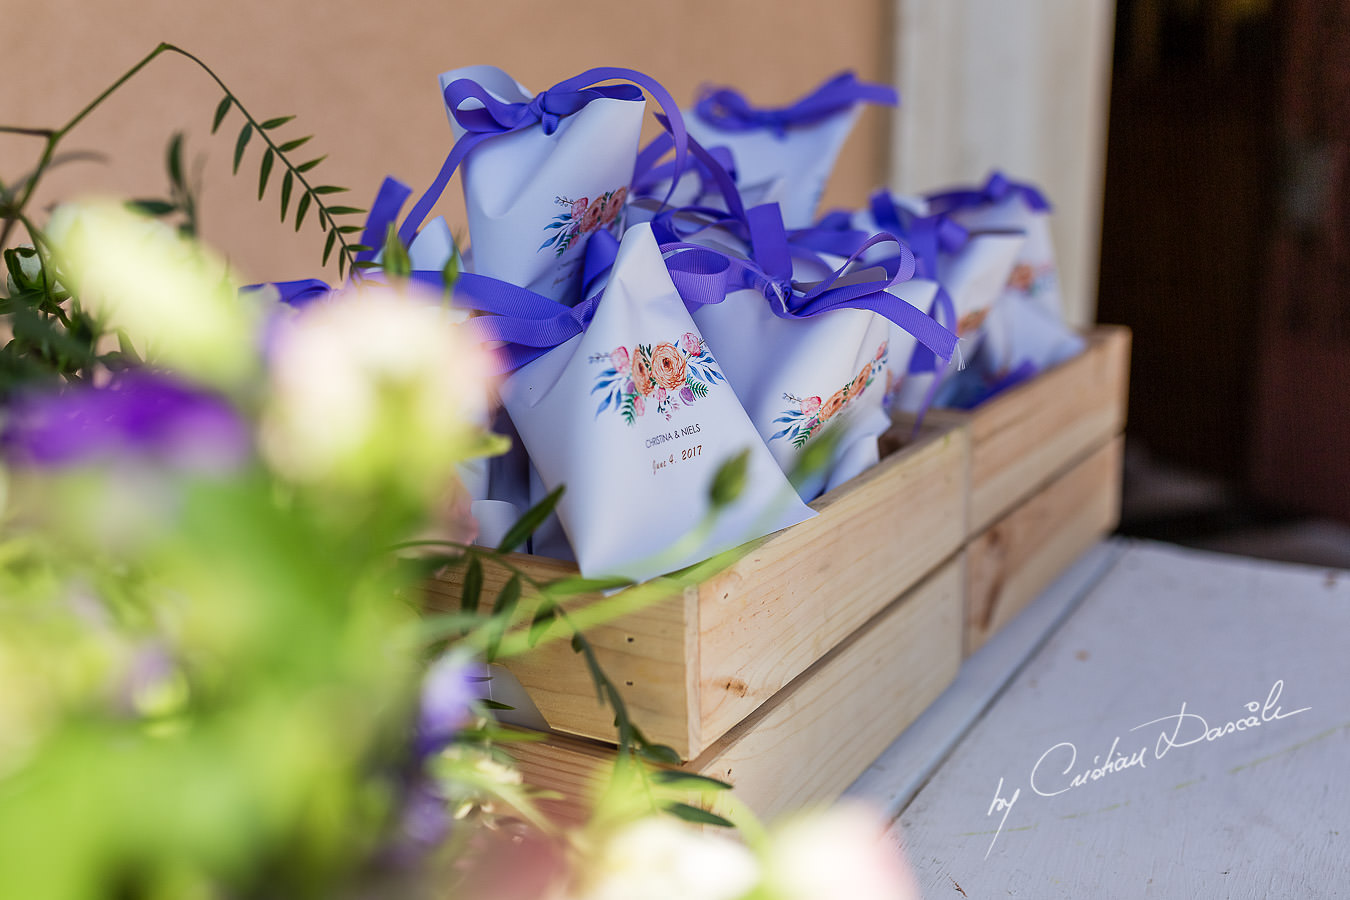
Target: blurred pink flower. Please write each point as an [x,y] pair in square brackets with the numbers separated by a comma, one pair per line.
[579,207]
[691,343]
[810,406]
[619,358]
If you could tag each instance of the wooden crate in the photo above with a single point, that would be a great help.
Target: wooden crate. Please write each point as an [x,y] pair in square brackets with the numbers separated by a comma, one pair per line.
[816,735]
[755,674]
[695,664]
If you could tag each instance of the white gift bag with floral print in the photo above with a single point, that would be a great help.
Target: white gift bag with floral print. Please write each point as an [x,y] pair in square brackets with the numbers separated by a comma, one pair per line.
[797,377]
[554,171]
[800,370]
[635,416]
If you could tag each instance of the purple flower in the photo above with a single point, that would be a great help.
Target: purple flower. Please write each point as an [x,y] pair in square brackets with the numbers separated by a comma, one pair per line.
[144,415]
[687,394]
[448,690]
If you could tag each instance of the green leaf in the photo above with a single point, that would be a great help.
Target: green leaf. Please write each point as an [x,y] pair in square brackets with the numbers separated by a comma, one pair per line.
[348,229]
[150,207]
[366,264]
[677,778]
[295,144]
[305,167]
[275,123]
[244,134]
[730,480]
[494,704]
[397,264]
[221,112]
[342,264]
[344,210]
[694,814]
[286,184]
[660,753]
[264,172]
[328,247]
[532,519]
[329,189]
[502,610]
[359,248]
[301,208]
[544,616]
[473,586]
[174,158]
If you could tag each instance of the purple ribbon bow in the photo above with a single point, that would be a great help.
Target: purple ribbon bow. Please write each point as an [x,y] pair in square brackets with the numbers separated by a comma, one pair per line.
[728,110]
[997,189]
[491,118]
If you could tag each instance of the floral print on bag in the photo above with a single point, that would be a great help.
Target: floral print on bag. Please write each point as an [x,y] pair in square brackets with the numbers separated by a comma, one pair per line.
[1029,280]
[807,414]
[660,377]
[583,216]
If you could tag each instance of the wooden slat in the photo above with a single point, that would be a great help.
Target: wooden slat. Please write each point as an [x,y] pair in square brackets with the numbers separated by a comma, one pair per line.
[813,737]
[812,740]
[1022,439]
[786,604]
[1016,558]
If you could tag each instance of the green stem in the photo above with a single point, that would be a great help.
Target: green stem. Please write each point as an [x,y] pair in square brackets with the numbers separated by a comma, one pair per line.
[53,138]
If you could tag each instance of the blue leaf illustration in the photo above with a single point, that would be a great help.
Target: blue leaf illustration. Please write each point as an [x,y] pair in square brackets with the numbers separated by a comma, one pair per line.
[782,433]
[604,406]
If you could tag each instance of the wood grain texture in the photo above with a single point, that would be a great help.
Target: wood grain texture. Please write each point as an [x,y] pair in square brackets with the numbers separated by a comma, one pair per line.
[1023,87]
[1023,438]
[808,743]
[1262,812]
[1013,560]
[794,597]
[692,666]
[812,740]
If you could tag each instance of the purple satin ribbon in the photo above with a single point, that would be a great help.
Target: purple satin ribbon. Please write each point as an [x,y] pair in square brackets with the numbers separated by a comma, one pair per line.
[497,117]
[996,190]
[647,174]
[294,293]
[728,110]
[705,275]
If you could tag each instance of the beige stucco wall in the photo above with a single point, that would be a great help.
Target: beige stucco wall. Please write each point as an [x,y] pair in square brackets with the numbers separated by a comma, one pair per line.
[362,78]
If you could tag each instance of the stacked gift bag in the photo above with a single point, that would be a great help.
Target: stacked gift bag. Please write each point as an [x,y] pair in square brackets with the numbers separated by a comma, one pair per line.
[672,318]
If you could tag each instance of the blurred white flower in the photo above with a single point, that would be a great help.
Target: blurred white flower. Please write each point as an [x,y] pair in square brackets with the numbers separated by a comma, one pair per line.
[173,298]
[837,853]
[664,859]
[374,389]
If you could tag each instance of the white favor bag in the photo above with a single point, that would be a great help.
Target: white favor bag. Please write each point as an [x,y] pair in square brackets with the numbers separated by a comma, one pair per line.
[635,417]
[533,198]
[785,156]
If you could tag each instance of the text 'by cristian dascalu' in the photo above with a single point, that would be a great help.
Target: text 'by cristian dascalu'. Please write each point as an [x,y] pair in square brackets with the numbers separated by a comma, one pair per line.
[1059,771]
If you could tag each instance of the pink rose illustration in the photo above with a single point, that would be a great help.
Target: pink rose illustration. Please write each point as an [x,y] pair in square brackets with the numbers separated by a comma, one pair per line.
[639,405]
[579,207]
[660,395]
[619,358]
[810,406]
[691,343]
[881,353]
[591,217]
